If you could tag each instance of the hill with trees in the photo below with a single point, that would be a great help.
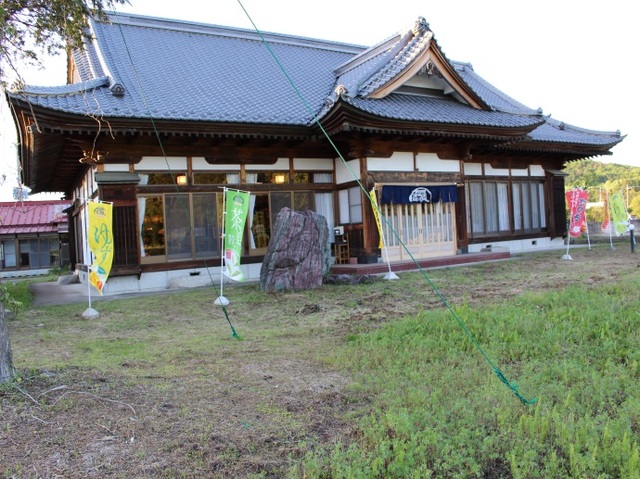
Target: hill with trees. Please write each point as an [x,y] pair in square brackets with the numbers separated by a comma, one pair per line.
[597,177]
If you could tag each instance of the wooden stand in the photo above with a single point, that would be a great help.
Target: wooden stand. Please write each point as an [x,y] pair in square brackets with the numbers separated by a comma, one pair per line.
[341,249]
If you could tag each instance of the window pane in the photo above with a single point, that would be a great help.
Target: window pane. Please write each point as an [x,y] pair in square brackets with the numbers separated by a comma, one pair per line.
[535,206]
[205,225]
[276,177]
[526,206]
[476,207]
[152,228]
[209,178]
[178,227]
[517,207]
[324,207]
[543,216]
[24,253]
[355,205]
[503,207]
[9,254]
[44,258]
[322,177]
[279,201]
[303,200]
[302,177]
[343,203]
[163,178]
[259,224]
[491,207]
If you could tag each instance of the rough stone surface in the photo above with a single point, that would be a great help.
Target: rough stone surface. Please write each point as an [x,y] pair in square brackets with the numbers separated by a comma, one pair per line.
[350,279]
[298,254]
[68,279]
[6,359]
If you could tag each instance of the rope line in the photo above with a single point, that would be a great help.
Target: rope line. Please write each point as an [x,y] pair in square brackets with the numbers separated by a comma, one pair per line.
[185,208]
[512,386]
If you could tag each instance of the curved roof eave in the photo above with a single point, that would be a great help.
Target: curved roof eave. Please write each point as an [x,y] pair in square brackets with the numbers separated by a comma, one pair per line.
[345,116]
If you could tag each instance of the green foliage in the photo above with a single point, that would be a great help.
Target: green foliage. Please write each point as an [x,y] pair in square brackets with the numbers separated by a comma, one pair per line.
[593,174]
[15,296]
[597,177]
[27,27]
[437,410]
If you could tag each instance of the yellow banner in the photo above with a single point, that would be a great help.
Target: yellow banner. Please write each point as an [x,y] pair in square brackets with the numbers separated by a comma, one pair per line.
[619,216]
[100,242]
[376,215]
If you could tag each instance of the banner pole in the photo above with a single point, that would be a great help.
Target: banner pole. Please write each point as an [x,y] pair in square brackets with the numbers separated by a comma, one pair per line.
[86,242]
[586,223]
[378,216]
[571,211]
[89,313]
[609,221]
[221,300]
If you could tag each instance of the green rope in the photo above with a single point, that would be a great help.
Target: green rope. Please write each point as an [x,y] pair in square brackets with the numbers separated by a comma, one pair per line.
[226,315]
[164,154]
[499,374]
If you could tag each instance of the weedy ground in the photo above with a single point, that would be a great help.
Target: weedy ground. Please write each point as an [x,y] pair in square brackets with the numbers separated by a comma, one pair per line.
[378,380]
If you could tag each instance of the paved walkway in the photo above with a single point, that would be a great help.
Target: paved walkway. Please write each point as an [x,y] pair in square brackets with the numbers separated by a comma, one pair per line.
[58,293]
[45,294]
[54,293]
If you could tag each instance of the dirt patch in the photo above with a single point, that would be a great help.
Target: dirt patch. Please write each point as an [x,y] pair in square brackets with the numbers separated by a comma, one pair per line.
[254,409]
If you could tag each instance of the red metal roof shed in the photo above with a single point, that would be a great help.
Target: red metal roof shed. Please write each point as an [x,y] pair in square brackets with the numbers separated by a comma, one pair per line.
[24,217]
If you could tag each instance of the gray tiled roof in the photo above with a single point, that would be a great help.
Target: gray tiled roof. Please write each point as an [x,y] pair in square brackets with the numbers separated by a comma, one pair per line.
[439,110]
[556,131]
[175,70]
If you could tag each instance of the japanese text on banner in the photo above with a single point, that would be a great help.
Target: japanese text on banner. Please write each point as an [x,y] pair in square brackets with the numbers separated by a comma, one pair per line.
[376,215]
[577,200]
[619,216]
[100,243]
[237,206]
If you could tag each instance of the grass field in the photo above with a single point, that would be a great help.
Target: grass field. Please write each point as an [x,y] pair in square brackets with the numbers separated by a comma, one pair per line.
[376,380]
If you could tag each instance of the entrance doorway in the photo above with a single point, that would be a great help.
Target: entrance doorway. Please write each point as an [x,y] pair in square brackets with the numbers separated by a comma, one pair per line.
[426,229]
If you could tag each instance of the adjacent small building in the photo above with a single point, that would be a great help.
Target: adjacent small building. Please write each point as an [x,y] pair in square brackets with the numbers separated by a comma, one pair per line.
[159,115]
[33,237]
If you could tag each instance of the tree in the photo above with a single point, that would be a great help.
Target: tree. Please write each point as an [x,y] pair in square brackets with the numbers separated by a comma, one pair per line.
[6,360]
[29,28]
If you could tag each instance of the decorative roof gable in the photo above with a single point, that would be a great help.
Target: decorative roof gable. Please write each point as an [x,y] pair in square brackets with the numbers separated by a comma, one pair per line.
[409,62]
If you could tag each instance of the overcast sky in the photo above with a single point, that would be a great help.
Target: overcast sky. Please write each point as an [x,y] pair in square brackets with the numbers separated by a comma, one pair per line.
[572,58]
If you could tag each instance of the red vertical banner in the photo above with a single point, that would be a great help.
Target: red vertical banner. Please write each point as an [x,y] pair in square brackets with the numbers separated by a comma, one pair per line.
[577,200]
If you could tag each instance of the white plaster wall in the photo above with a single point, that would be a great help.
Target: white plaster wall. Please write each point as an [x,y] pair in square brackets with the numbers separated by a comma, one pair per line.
[201,164]
[317,164]
[536,170]
[24,273]
[116,167]
[520,172]
[399,161]
[472,169]
[343,175]
[279,165]
[520,246]
[489,170]
[160,163]
[431,163]
[163,280]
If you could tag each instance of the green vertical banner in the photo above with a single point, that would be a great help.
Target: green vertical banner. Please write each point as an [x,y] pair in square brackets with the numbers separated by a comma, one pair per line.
[237,207]
[619,216]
